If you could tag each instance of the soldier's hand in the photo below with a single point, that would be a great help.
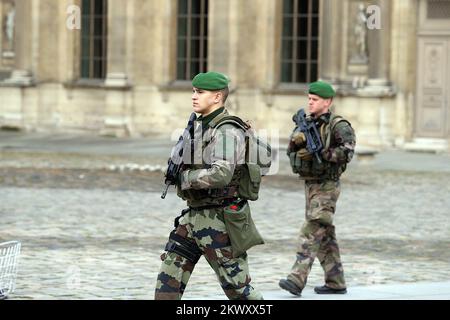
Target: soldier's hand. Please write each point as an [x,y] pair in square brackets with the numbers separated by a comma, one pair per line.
[326,154]
[291,147]
[299,139]
[304,154]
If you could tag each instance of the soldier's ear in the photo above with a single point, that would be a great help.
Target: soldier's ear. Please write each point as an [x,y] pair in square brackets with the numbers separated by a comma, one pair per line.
[218,97]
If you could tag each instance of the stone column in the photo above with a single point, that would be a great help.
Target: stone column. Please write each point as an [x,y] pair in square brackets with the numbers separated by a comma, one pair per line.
[117,43]
[379,40]
[117,114]
[22,73]
[331,41]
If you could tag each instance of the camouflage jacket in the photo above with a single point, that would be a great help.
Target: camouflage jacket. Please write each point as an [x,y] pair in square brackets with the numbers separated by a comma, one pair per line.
[216,158]
[338,138]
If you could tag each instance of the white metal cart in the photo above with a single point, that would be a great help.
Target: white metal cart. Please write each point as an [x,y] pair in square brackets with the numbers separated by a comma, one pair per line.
[9,256]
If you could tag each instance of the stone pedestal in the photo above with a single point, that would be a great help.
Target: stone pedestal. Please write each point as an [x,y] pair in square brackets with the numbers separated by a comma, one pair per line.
[116,80]
[23,35]
[376,88]
[20,78]
[427,145]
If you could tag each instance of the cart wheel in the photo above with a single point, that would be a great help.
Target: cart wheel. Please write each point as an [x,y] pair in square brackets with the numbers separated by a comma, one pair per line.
[9,255]
[3,295]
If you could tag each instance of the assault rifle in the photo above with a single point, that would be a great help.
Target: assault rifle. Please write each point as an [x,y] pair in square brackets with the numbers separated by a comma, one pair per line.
[313,142]
[175,162]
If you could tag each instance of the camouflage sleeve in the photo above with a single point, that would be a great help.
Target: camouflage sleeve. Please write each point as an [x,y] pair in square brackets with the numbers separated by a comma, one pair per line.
[226,149]
[344,147]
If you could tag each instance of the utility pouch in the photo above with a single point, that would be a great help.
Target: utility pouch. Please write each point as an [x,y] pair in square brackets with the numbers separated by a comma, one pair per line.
[300,166]
[294,161]
[250,181]
[240,228]
[319,169]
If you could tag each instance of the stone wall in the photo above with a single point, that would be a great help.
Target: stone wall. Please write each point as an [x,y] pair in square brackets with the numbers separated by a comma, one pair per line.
[140,97]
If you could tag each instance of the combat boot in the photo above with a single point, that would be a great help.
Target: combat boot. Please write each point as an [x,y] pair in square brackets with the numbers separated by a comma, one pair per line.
[290,286]
[328,290]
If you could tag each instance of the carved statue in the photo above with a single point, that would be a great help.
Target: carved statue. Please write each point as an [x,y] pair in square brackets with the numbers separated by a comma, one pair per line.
[360,32]
[9,26]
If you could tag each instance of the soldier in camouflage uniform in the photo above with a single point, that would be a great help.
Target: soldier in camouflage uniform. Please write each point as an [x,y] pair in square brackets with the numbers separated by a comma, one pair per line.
[208,186]
[322,188]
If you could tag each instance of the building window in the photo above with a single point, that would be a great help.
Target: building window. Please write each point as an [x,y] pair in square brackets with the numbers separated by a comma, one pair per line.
[438,9]
[93,39]
[300,41]
[192,38]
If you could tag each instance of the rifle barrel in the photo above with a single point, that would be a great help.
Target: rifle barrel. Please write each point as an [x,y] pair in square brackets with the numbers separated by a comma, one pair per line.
[318,158]
[163,196]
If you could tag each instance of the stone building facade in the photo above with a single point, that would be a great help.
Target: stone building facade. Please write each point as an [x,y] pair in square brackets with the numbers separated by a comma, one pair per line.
[122,68]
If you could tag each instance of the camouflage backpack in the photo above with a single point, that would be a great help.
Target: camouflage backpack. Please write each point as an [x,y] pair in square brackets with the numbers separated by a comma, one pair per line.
[326,130]
[257,157]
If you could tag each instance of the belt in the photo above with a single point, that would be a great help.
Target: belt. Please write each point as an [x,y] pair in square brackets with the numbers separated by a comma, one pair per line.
[227,192]
[224,204]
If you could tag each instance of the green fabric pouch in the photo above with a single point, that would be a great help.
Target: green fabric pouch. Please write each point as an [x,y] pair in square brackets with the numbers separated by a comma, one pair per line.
[302,167]
[294,161]
[250,182]
[241,228]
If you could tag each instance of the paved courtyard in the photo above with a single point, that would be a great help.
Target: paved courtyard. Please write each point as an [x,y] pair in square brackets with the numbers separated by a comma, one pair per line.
[92,223]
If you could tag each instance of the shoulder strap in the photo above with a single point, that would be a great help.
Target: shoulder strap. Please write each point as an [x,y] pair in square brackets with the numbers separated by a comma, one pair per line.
[235,121]
[228,119]
[334,120]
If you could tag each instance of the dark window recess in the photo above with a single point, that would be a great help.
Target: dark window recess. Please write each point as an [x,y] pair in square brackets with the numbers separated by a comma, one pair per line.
[93,39]
[192,38]
[438,9]
[300,41]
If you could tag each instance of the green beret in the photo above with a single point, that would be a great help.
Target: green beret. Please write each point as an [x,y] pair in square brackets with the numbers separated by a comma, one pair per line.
[211,81]
[322,89]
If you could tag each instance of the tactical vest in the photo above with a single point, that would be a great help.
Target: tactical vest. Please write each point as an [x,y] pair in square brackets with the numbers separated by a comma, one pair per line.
[246,180]
[312,169]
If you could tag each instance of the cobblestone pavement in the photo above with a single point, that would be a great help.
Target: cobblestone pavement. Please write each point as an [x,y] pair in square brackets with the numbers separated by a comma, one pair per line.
[93,227]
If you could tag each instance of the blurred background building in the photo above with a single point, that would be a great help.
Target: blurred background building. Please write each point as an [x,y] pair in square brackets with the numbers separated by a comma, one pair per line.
[123,68]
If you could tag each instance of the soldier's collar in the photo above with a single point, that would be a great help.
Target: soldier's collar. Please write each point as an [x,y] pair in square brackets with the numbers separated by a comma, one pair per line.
[217,117]
[324,118]
[206,120]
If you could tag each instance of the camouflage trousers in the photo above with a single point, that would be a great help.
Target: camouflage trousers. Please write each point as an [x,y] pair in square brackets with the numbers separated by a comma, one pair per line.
[318,237]
[207,229]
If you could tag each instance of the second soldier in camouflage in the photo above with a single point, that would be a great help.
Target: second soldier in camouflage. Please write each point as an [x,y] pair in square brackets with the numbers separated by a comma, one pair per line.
[322,189]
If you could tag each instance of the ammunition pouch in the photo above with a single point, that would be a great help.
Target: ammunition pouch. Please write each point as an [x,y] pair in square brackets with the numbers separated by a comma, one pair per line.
[313,170]
[250,181]
[183,247]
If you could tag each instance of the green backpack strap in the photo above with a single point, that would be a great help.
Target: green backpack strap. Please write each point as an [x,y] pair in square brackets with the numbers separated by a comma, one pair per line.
[228,119]
[235,121]
[334,120]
